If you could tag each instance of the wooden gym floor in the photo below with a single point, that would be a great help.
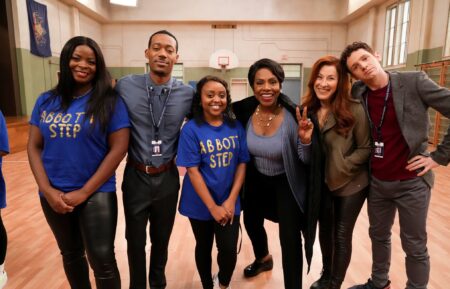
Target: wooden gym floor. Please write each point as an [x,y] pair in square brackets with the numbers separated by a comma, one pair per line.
[33,260]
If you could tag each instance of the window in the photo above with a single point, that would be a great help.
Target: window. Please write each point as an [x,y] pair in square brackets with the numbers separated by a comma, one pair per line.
[395,35]
[292,85]
[447,38]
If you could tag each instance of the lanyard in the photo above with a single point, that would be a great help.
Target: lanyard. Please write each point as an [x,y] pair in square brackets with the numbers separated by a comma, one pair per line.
[383,114]
[150,98]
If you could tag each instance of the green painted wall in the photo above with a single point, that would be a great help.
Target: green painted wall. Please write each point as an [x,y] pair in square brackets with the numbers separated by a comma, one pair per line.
[36,75]
[423,56]
[119,72]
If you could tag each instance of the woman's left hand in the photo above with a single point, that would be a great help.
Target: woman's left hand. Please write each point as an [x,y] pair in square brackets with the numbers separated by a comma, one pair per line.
[229,206]
[75,198]
[305,126]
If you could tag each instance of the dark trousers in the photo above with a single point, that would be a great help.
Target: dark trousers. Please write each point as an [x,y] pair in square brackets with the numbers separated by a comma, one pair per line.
[3,241]
[336,231]
[226,242]
[272,198]
[149,199]
[411,198]
[90,229]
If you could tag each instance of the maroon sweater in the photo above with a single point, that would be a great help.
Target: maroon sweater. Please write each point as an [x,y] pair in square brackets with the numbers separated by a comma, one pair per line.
[396,151]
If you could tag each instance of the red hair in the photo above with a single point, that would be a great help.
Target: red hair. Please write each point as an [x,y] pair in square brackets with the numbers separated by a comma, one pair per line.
[340,100]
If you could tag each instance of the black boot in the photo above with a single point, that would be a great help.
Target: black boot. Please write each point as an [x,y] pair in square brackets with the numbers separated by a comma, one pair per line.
[323,282]
[335,283]
[258,267]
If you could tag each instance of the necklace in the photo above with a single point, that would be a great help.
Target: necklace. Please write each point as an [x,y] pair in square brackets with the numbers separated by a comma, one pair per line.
[268,121]
[80,96]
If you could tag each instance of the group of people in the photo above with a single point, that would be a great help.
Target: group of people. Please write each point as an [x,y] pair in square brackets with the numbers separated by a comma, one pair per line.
[297,165]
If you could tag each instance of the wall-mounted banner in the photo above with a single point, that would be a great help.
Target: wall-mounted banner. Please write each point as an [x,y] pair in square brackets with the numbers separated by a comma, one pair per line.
[39,33]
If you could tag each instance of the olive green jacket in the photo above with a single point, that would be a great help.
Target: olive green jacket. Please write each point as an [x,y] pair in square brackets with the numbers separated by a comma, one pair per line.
[346,157]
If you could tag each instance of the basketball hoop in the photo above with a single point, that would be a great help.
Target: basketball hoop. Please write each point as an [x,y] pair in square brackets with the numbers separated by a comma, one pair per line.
[223,62]
[223,68]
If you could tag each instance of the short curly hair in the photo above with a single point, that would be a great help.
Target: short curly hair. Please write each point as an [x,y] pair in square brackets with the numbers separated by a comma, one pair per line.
[352,48]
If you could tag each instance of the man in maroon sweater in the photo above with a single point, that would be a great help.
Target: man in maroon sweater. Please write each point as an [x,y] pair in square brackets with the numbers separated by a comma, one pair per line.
[401,177]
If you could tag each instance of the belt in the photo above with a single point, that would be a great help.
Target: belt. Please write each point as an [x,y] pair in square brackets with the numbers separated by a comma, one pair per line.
[149,170]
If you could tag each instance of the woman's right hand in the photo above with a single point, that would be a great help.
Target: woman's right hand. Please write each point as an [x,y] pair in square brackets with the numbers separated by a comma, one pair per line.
[220,214]
[305,126]
[55,200]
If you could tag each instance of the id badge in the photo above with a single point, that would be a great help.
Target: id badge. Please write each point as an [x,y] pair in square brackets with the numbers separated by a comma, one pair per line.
[379,150]
[156,148]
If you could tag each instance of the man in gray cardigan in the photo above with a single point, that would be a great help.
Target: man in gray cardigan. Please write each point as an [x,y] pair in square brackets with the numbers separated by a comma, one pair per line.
[401,177]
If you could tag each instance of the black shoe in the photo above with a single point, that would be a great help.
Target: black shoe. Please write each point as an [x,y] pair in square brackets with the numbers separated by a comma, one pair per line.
[322,283]
[369,285]
[257,267]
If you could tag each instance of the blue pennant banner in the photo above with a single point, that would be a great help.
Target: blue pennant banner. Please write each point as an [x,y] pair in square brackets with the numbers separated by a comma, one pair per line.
[39,33]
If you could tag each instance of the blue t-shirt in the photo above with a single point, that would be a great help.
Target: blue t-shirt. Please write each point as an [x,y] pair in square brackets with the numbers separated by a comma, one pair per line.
[216,151]
[73,146]
[4,146]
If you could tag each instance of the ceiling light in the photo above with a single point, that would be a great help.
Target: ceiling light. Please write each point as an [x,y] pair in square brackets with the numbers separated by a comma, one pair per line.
[131,3]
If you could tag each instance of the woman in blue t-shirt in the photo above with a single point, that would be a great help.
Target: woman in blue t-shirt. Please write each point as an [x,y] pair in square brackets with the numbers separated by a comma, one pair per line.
[4,150]
[213,148]
[78,135]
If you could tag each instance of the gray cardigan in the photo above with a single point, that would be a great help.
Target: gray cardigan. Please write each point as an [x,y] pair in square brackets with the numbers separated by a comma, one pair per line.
[292,151]
[413,92]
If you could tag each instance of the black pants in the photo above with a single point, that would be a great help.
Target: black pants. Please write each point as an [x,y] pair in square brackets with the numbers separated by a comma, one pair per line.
[90,229]
[271,197]
[226,242]
[336,231]
[149,198]
[3,241]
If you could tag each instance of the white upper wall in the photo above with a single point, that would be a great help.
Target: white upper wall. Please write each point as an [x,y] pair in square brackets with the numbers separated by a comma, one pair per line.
[97,9]
[428,22]
[231,10]
[91,28]
[438,19]
[100,7]
[364,28]
[64,22]
[290,31]
[124,44]
[354,5]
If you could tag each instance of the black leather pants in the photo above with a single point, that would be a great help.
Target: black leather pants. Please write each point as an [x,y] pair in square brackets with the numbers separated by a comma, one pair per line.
[3,241]
[90,229]
[335,234]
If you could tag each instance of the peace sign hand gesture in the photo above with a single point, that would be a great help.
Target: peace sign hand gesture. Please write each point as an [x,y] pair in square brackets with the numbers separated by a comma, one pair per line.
[305,126]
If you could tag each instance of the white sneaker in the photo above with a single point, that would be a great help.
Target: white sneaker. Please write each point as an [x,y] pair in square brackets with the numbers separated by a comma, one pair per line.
[215,282]
[3,279]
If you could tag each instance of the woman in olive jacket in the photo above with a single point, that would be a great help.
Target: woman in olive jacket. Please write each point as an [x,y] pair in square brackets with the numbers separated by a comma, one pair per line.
[346,144]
